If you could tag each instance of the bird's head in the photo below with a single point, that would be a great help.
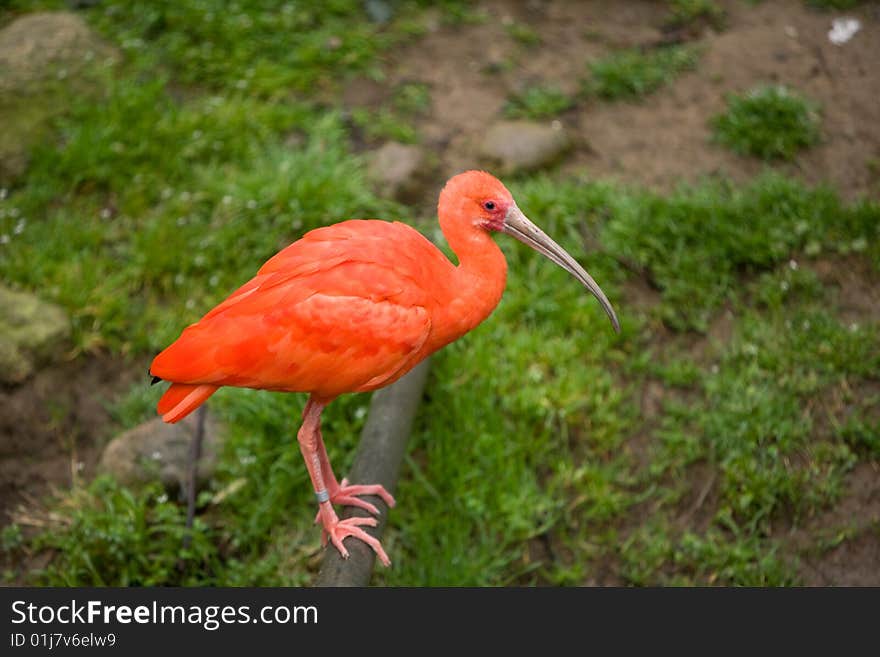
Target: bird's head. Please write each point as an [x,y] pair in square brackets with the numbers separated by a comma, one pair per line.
[484,205]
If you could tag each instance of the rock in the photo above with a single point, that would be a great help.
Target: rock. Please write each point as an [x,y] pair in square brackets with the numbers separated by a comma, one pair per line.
[399,171]
[379,11]
[38,46]
[155,451]
[32,331]
[43,59]
[523,145]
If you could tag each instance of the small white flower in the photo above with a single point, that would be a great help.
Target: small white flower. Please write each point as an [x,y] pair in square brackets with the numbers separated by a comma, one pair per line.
[4,239]
[162,498]
[19,227]
[793,265]
[3,193]
[156,455]
[105,213]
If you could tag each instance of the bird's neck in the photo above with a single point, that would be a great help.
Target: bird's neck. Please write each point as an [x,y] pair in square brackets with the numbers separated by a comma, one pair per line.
[478,282]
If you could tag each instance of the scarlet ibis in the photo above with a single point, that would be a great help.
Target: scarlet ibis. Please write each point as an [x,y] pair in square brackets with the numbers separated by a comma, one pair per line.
[352,307]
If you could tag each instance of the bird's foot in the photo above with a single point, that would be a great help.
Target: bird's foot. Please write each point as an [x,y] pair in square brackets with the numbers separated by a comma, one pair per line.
[338,530]
[347,496]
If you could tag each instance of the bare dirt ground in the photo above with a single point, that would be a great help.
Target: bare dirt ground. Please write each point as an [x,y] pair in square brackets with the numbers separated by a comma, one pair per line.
[664,139]
[852,532]
[52,428]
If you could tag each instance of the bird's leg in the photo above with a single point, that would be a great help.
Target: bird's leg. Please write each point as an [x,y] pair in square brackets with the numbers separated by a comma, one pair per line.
[343,493]
[335,529]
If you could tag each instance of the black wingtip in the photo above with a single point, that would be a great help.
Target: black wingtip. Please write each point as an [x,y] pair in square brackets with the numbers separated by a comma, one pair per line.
[155,380]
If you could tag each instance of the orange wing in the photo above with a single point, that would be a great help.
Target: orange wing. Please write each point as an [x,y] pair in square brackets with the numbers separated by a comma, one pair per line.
[347,308]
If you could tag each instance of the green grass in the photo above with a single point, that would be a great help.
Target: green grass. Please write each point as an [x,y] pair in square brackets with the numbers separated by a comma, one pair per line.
[114,536]
[532,459]
[412,99]
[631,74]
[523,34]
[697,243]
[537,103]
[383,124]
[686,12]
[394,119]
[253,46]
[770,122]
[834,4]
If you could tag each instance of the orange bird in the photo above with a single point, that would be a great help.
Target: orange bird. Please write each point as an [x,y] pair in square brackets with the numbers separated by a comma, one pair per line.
[353,307]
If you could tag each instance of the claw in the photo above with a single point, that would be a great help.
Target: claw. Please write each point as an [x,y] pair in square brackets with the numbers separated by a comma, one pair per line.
[366,489]
[352,527]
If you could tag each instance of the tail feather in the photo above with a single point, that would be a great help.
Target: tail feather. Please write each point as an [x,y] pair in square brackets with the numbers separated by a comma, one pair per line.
[181,399]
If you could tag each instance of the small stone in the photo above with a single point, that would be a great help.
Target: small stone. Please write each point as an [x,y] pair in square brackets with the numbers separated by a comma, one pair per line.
[379,11]
[398,170]
[518,146]
[156,451]
[32,332]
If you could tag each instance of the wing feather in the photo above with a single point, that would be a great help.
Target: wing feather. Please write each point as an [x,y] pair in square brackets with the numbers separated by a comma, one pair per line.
[340,310]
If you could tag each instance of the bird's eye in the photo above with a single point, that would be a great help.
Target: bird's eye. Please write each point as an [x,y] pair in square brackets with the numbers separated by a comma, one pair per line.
[489,205]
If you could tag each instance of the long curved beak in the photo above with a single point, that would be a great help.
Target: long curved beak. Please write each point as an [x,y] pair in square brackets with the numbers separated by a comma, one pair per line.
[518,225]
